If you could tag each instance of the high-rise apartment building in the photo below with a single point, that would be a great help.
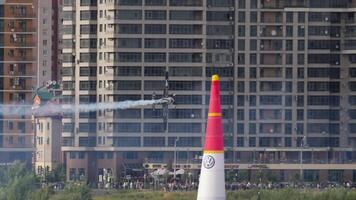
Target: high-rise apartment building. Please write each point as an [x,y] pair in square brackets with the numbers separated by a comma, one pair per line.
[29,58]
[48,41]
[18,77]
[288,84]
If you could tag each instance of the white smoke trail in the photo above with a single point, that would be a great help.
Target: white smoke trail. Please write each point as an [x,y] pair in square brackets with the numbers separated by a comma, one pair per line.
[70,108]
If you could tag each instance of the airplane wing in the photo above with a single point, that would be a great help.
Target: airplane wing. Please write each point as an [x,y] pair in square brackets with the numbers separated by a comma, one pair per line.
[165,116]
[166,86]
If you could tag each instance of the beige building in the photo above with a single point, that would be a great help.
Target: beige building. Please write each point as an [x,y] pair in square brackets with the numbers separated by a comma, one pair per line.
[47,143]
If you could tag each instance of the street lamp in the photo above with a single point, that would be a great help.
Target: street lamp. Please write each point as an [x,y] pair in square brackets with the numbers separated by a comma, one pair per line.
[327,145]
[175,158]
[302,145]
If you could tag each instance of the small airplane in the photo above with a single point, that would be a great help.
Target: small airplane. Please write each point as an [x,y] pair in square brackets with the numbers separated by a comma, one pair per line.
[166,100]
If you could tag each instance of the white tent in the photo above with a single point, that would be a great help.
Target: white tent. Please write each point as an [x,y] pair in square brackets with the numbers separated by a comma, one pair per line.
[160,172]
[178,172]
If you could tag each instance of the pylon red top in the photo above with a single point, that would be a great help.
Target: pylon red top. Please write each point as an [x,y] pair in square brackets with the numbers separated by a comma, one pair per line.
[214,133]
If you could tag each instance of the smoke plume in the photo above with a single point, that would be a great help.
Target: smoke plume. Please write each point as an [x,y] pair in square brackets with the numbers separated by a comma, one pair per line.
[52,108]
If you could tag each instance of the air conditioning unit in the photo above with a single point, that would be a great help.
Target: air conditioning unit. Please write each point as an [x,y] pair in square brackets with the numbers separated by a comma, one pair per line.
[17,81]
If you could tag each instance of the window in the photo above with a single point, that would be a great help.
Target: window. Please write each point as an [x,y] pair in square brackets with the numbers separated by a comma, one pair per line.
[130,155]
[270,100]
[88,15]
[127,114]
[128,2]
[88,2]
[155,71]
[153,127]
[184,128]
[219,30]
[128,57]
[185,15]
[185,57]
[127,85]
[186,3]
[185,43]
[128,43]
[155,2]
[155,29]
[128,14]
[186,71]
[219,44]
[127,71]
[155,57]
[185,29]
[220,16]
[126,127]
[155,43]
[88,43]
[155,14]
[154,142]
[129,28]
[289,17]
[87,29]
[126,142]
[220,3]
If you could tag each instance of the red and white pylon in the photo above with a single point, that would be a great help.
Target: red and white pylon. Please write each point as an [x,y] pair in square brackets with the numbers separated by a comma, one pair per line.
[212,174]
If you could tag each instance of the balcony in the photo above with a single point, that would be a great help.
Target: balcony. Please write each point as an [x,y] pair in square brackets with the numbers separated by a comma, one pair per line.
[271,59]
[271,31]
[271,45]
[272,4]
[271,17]
[271,73]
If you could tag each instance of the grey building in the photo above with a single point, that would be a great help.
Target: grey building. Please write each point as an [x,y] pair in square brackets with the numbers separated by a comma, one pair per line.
[288,81]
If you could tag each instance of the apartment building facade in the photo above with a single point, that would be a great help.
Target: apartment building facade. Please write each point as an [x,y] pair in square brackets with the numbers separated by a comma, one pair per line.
[29,58]
[18,76]
[287,71]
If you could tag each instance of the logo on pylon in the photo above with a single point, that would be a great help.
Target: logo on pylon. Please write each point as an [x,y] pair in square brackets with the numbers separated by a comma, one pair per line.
[209,162]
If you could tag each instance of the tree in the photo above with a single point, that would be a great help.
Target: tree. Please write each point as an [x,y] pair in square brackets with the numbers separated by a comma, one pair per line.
[19,187]
[242,175]
[74,192]
[57,174]
[42,194]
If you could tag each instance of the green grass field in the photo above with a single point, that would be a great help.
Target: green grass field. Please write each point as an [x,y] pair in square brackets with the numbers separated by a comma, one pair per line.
[281,194]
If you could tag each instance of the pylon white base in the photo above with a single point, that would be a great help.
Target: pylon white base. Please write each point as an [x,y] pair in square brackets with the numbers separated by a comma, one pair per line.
[212,177]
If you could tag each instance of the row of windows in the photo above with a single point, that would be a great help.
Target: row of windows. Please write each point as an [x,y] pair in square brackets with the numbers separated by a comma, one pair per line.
[275,72]
[325,141]
[263,127]
[219,3]
[137,2]
[264,114]
[277,100]
[157,29]
[312,100]
[157,127]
